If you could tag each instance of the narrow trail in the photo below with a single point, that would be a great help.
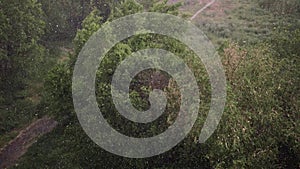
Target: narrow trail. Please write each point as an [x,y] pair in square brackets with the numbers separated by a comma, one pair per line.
[202,9]
[10,153]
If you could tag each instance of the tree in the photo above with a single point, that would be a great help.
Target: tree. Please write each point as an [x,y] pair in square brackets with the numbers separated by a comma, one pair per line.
[64,17]
[59,88]
[126,7]
[21,28]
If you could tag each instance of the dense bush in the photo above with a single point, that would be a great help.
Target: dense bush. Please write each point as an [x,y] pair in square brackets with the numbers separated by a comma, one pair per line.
[256,125]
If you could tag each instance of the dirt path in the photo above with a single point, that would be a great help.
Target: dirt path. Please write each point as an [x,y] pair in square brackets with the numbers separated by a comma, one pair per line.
[202,9]
[10,153]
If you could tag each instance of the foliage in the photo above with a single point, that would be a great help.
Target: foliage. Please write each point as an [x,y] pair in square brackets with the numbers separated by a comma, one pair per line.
[58,87]
[164,8]
[20,31]
[147,4]
[126,7]
[281,6]
[259,127]
[64,17]
[90,25]
[285,44]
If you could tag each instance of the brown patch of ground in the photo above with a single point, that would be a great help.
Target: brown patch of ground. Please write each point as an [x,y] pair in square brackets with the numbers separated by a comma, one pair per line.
[18,146]
[33,92]
[64,56]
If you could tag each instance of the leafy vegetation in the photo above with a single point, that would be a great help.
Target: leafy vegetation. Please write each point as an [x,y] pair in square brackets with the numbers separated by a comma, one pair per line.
[281,7]
[260,124]
[21,28]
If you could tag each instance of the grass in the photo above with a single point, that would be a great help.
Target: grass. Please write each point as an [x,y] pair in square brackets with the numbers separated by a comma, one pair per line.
[7,137]
[242,21]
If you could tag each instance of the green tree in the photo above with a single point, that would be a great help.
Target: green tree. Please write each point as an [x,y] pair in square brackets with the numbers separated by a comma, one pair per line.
[20,31]
[126,7]
[59,88]
[259,126]
[64,17]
